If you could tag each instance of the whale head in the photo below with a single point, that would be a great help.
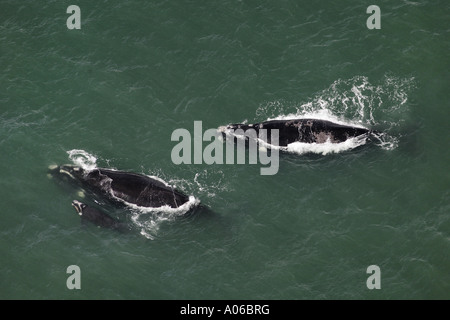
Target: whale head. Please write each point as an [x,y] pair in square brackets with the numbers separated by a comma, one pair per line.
[79,206]
[236,126]
[66,171]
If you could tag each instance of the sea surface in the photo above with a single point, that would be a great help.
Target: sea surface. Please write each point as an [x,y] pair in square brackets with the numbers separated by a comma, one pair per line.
[111,93]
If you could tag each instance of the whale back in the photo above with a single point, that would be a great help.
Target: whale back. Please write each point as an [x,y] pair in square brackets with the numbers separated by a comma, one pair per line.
[304,130]
[137,189]
[97,217]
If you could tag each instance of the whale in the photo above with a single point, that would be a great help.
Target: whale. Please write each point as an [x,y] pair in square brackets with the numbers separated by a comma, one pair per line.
[122,186]
[306,130]
[97,217]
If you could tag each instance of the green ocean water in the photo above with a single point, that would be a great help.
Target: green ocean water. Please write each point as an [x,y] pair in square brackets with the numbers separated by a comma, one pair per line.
[117,88]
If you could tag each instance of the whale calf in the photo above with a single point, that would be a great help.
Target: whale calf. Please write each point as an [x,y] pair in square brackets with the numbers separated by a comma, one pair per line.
[97,217]
[304,130]
[129,187]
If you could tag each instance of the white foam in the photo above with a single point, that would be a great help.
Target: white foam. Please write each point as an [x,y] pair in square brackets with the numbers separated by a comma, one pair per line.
[149,220]
[160,180]
[168,210]
[325,148]
[321,114]
[83,159]
[203,185]
[385,141]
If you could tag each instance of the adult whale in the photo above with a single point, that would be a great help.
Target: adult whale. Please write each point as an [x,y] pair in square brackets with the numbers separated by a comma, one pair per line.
[97,217]
[304,130]
[130,187]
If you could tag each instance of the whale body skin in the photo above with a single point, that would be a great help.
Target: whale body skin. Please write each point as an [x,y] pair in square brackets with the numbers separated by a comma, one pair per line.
[137,189]
[304,130]
[97,217]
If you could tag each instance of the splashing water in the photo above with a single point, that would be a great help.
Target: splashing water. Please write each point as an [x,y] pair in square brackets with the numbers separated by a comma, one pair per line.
[355,102]
[325,148]
[83,159]
[149,220]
